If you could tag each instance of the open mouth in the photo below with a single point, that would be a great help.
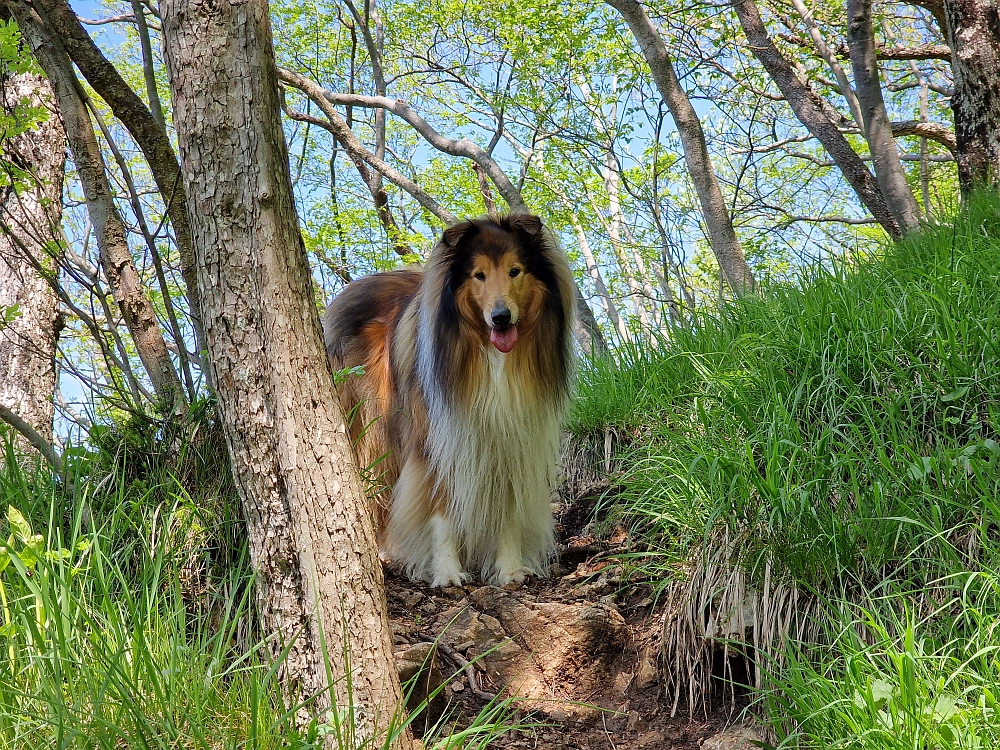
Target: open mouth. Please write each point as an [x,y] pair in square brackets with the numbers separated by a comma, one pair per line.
[505,339]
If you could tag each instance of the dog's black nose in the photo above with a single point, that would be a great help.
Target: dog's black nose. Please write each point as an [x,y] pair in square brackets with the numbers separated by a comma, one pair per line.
[501,317]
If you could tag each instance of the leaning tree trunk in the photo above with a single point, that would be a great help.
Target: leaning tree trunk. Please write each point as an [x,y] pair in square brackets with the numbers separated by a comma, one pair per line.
[143,124]
[721,234]
[311,538]
[878,128]
[816,114]
[30,215]
[974,38]
[109,228]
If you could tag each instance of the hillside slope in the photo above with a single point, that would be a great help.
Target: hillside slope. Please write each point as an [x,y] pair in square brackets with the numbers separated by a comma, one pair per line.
[815,472]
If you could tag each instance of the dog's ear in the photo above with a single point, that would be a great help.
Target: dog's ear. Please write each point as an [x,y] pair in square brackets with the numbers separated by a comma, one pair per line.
[453,235]
[530,224]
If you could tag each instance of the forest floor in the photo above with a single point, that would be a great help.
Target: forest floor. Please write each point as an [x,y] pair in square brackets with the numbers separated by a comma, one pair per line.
[578,652]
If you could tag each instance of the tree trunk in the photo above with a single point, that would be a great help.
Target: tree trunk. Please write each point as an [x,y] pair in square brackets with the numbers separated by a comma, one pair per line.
[974,38]
[878,128]
[311,537]
[721,234]
[816,114]
[594,271]
[33,215]
[144,127]
[116,258]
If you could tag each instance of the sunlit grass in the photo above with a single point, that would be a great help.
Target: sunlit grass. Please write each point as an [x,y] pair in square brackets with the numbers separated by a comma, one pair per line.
[108,639]
[842,435]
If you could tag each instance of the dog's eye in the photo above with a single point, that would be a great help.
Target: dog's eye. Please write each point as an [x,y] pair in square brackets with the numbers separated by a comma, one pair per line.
[515,272]
[480,275]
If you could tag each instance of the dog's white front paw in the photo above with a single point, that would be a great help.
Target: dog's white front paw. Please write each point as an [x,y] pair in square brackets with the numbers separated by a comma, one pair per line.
[445,578]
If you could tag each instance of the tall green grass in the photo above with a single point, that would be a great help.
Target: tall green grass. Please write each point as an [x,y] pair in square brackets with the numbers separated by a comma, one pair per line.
[117,632]
[844,432]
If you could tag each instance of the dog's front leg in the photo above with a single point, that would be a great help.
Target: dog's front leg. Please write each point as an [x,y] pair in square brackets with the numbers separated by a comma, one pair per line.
[510,566]
[447,562]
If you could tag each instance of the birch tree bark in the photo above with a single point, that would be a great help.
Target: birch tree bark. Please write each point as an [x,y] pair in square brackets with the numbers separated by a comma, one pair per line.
[116,257]
[877,127]
[974,38]
[311,538]
[33,163]
[721,234]
[816,114]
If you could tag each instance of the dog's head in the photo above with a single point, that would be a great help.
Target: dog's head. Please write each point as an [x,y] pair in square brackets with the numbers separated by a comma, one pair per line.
[500,277]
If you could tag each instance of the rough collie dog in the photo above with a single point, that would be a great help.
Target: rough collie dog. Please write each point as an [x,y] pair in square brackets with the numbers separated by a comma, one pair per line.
[467,366]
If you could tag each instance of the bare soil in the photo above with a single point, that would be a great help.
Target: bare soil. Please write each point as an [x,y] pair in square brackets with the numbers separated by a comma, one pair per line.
[578,651]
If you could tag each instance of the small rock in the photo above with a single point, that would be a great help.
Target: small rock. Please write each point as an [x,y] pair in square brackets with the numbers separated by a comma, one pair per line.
[647,672]
[455,593]
[557,571]
[457,686]
[621,683]
[739,737]
[400,634]
[635,722]
[411,598]
[651,740]
[560,714]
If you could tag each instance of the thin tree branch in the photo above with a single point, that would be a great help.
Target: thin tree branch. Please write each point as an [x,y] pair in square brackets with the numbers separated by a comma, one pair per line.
[339,129]
[43,447]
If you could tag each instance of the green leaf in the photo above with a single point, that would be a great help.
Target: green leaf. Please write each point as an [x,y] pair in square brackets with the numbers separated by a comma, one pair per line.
[28,557]
[20,527]
[955,394]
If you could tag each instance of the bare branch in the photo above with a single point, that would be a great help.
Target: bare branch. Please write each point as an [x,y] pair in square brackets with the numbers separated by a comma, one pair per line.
[816,114]
[932,131]
[339,129]
[906,52]
[32,437]
[722,236]
[144,128]
[463,147]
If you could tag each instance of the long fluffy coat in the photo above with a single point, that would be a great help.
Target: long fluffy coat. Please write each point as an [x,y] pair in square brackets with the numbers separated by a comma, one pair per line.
[466,377]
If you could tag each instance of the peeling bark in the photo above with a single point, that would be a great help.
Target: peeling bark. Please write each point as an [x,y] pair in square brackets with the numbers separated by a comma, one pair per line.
[974,38]
[33,214]
[721,234]
[311,537]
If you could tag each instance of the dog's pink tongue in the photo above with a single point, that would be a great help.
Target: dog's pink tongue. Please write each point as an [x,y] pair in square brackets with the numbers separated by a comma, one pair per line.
[504,340]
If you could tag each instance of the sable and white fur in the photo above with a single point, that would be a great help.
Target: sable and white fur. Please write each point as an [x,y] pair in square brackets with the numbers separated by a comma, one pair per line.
[468,434]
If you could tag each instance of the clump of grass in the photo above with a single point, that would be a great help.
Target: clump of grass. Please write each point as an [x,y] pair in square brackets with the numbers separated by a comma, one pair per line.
[105,644]
[840,435]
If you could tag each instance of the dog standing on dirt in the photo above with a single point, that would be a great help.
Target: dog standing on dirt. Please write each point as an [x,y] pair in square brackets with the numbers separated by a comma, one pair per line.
[467,367]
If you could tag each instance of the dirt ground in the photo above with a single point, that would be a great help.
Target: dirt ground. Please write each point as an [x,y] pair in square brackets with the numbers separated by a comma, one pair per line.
[578,650]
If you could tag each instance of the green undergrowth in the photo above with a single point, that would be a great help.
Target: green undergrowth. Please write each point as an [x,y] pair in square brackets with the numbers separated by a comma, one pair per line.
[127,615]
[842,434]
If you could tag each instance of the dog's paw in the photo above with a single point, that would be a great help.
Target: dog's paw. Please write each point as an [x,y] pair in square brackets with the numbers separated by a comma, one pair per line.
[446,578]
[513,577]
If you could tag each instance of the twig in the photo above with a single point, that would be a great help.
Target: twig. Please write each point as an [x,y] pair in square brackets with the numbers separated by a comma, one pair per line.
[470,670]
